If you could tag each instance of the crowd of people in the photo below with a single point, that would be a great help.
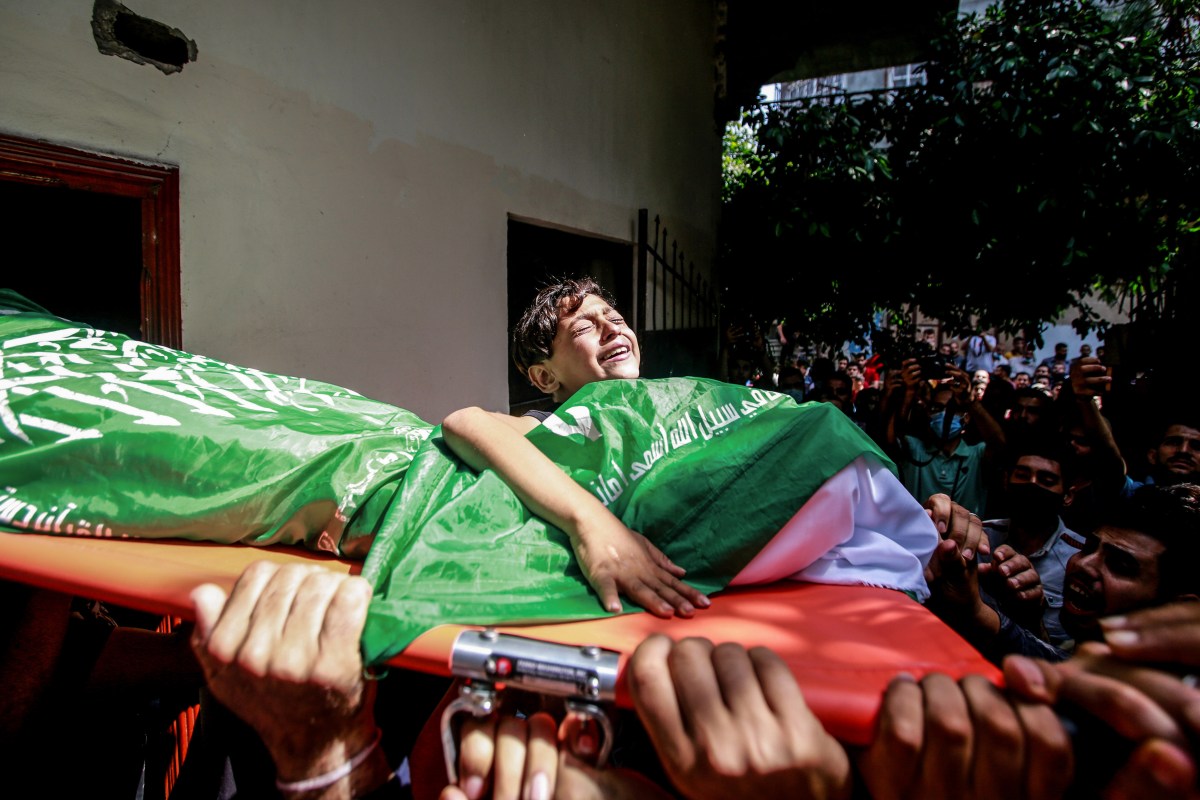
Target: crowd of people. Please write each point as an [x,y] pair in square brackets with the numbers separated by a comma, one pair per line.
[1051,548]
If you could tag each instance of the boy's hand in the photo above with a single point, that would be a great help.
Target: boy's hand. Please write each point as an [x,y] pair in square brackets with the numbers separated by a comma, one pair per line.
[616,560]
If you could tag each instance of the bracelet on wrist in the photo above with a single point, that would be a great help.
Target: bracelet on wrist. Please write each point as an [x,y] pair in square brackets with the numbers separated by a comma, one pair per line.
[327,779]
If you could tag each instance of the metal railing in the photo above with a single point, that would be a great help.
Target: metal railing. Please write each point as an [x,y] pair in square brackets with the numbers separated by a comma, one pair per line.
[677,309]
[671,295]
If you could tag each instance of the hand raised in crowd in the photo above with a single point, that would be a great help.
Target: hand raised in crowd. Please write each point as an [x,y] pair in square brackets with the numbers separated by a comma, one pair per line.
[1010,577]
[727,722]
[959,383]
[734,334]
[910,374]
[939,738]
[1089,377]
[616,560]
[893,381]
[282,652]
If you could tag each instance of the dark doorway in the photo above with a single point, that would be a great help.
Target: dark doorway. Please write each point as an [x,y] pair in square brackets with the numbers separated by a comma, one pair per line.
[78,254]
[92,238]
[536,256]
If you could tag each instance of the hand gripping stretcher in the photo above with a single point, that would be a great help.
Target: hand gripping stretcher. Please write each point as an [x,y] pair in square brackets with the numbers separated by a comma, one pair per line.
[844,644]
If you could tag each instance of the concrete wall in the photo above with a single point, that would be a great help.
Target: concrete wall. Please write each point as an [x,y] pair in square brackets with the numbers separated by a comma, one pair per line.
[347,168]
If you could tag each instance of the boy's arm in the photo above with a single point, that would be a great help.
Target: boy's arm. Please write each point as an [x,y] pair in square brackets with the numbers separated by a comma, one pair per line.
[614,558]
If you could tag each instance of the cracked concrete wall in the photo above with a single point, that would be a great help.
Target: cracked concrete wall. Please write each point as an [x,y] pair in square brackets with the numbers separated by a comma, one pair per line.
[347,169]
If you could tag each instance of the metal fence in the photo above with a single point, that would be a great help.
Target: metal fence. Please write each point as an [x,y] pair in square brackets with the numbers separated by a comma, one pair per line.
[677,306]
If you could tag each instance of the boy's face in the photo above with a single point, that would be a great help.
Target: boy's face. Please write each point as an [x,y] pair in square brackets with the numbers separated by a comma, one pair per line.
[593,343]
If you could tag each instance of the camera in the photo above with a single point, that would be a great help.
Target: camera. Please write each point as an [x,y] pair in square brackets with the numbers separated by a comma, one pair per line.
[933,367]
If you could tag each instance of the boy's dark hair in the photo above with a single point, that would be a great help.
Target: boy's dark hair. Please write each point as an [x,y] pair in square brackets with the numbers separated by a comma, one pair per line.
[533,335]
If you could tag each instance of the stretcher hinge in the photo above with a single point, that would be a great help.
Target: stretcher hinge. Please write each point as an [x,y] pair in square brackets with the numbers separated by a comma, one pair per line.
[584,677]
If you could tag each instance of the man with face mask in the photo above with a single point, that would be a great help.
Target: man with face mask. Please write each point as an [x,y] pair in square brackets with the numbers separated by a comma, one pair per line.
[1031,548]
[924,435]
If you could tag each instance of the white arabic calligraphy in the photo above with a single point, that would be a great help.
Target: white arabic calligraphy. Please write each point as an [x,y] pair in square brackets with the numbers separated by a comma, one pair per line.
[107,371]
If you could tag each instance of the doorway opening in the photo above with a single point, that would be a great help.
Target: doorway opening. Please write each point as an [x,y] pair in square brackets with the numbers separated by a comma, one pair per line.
[93,238]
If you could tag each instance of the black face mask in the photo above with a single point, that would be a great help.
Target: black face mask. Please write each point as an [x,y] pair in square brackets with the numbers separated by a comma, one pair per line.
[1032,502]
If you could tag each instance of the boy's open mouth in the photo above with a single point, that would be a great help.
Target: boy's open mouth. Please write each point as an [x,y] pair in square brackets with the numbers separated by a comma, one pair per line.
[616,354]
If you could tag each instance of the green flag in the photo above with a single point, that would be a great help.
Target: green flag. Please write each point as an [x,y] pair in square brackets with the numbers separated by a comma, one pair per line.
[708,471]
[103,435]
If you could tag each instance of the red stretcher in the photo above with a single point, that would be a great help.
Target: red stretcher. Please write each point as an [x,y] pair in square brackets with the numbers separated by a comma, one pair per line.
[843,643]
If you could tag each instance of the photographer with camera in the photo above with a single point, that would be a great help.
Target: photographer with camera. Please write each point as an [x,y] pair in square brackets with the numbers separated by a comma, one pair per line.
[926,416]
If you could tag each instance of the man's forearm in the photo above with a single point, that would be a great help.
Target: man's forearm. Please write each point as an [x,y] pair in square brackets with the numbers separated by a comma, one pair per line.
[1106,453]
[895,413]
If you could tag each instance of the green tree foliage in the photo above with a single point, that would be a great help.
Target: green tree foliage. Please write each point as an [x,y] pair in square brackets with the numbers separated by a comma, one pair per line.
[1051,157]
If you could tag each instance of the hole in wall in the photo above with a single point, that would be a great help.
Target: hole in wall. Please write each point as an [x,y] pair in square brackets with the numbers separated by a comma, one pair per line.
[122,33]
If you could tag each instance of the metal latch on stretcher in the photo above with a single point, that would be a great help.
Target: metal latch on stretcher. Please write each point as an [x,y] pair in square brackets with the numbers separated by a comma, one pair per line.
[583,676]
